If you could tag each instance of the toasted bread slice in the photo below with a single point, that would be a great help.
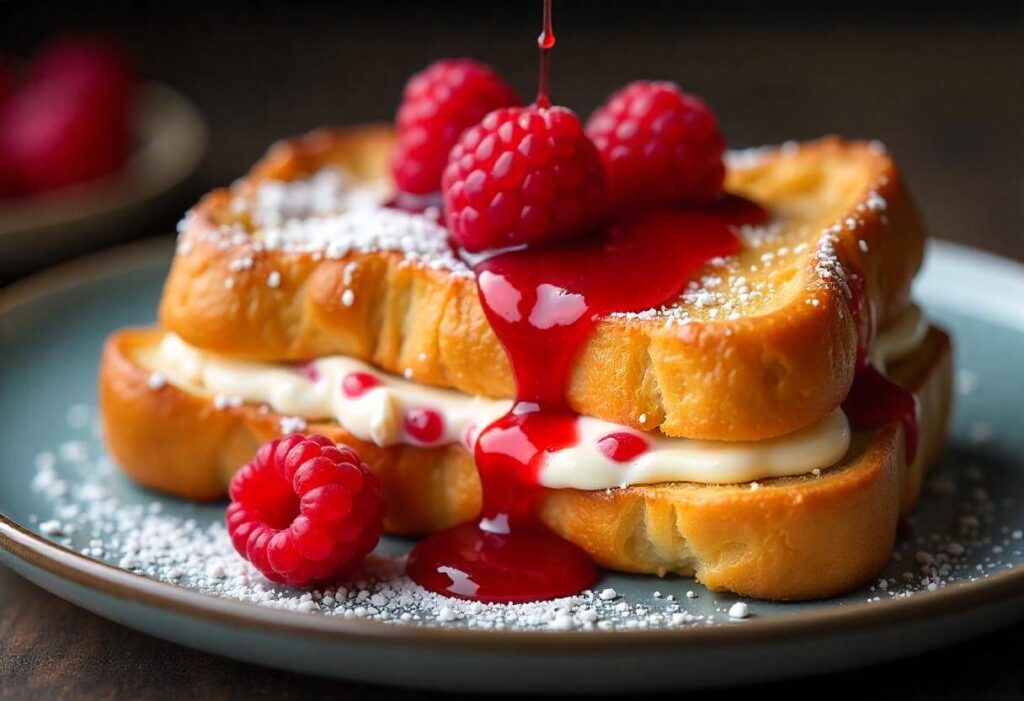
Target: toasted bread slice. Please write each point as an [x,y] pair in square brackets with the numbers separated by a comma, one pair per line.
[760,344]
[791,538]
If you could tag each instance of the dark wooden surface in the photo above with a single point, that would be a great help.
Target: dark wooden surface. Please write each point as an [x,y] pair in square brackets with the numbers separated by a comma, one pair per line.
[946,95]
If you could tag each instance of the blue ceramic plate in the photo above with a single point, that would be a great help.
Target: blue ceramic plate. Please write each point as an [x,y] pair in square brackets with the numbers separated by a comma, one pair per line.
[73,525]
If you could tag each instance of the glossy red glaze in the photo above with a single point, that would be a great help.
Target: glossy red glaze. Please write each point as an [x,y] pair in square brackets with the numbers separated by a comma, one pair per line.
[622,447]
[424,425]
[875,399]
[545,42]
[471,563]
[543,303]
[356,384]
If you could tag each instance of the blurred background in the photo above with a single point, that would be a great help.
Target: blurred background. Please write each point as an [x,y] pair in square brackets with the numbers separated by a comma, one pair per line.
[940,83]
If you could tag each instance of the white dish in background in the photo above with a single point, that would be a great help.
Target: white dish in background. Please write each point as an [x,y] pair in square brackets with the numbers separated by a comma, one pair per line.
[171,135]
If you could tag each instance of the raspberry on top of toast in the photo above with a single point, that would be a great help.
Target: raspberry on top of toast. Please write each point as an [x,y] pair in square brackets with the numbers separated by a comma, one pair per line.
[758,344]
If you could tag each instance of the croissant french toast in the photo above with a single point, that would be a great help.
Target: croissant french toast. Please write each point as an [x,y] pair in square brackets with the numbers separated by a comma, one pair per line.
[760,344]
[795,537]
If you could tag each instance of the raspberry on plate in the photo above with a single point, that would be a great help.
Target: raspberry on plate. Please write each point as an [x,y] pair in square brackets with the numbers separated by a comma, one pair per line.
[304,510]
[521,176]
[438,104]
[659,145]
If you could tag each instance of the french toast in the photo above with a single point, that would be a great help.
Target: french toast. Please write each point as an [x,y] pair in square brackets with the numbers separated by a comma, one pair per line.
[759,345]
[549,345]
[797,537]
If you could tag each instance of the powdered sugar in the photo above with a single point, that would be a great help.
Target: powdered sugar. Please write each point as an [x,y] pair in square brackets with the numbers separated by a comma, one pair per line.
[327,216]
[93,510]
[327,191]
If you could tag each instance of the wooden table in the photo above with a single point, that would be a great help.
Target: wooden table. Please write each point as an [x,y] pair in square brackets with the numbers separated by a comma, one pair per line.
[945,96]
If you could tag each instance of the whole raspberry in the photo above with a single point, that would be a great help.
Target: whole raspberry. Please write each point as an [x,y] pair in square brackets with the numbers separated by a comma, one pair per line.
[439,103]
[304,510]
[52,138]
[659,145]
[89,68]
[520,176]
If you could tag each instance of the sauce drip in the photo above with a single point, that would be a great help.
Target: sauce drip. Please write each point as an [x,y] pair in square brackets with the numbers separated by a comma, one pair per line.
[545,42]
[875,399]
[543,303]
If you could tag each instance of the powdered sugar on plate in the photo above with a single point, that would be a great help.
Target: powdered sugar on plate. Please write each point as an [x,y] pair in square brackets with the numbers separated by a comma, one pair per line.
[959,533]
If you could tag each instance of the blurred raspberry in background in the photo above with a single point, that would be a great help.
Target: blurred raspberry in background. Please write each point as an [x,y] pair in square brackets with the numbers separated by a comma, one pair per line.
[66,119]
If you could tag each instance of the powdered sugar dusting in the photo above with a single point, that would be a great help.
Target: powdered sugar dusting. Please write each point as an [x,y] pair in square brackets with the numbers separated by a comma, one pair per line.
[325,192]
[92,510]
[327,215]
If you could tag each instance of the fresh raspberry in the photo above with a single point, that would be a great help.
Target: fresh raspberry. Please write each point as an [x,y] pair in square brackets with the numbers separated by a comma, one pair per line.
[51,138]
[304,510]
[439,103]
[87,67]
[520,176]
[659,145]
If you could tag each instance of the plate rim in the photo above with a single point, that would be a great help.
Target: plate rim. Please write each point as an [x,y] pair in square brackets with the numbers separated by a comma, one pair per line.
[106,579]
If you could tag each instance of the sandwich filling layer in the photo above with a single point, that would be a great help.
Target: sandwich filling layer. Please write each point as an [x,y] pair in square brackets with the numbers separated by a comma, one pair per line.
[386,410]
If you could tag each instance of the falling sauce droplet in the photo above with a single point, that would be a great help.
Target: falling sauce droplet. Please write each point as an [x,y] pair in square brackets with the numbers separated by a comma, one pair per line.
[545,42]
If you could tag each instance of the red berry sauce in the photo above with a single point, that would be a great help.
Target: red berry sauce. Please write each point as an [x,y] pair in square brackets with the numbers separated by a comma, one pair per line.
[545,42]
[875,399]
[424,425]
[356,384]
[543,303]
[622,447]
[307,370]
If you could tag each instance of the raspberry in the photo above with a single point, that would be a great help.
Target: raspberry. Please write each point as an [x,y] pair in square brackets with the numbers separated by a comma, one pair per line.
[304,510]
[88,67]
[51,137]
[520,176]
[659,145]
[70,121]
[439,103]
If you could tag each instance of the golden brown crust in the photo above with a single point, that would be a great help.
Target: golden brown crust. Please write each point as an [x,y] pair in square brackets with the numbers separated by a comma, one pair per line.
[783,364]
[793,538]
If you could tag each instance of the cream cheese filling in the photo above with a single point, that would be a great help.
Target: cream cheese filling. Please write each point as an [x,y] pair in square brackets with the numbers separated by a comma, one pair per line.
[900,338]
[380,414]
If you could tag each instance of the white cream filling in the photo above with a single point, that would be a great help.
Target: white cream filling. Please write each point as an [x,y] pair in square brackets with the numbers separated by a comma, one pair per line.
[584,466]
[378,415]
[900,338]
